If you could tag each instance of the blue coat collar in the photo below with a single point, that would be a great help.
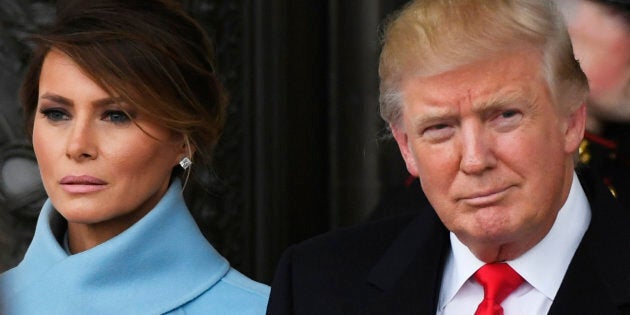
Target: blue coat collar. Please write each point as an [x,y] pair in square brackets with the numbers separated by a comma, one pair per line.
[158,264]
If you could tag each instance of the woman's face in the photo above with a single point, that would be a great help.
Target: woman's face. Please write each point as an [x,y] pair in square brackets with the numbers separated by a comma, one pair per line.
[99,168]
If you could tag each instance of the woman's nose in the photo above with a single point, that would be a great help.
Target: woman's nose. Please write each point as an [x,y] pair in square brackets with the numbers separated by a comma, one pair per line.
[81,142]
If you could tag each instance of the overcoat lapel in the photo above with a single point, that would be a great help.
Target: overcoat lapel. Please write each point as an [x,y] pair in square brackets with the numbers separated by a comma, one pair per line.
[598,278]
[408,277]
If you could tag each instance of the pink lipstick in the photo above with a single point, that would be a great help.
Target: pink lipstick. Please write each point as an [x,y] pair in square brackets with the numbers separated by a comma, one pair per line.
[82,184]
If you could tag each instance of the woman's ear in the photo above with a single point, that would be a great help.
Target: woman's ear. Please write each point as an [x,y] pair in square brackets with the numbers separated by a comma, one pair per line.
[186,150]
[188,147]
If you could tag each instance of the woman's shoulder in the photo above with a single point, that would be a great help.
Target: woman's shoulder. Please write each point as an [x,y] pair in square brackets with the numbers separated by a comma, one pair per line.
[235,293]
[239,282]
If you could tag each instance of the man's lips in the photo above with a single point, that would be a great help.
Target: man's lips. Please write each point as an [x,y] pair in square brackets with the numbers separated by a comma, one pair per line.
[82,184]
[484,197]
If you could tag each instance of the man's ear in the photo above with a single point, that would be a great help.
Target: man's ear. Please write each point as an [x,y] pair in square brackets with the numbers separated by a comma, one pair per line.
[403,144]
[574,132]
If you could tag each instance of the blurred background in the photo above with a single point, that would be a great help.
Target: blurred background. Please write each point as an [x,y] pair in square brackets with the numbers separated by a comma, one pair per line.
[304,150]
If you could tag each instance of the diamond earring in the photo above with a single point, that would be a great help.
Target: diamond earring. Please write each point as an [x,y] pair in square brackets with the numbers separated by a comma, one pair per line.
[185,163]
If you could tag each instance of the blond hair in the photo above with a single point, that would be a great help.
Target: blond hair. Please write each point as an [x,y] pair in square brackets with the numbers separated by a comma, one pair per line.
[428,37]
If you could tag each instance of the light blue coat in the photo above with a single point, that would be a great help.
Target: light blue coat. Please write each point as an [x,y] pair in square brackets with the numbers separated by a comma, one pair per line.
[162,264]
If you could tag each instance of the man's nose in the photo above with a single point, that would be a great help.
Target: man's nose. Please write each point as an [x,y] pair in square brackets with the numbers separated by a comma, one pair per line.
[477,150]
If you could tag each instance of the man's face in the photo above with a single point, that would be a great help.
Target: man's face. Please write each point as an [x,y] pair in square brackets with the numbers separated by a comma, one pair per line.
[601,41]
[492,153]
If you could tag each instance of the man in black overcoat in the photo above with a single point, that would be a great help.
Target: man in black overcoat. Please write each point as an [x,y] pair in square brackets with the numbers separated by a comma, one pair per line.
[487,104]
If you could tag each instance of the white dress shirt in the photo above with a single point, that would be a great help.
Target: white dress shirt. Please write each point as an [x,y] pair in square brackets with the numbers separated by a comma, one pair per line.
[543,266]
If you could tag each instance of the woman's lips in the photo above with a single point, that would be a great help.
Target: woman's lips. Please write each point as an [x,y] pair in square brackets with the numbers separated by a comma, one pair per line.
[82,184]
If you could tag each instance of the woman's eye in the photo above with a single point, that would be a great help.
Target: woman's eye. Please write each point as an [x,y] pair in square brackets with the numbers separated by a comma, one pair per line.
[55,114]
[116,116]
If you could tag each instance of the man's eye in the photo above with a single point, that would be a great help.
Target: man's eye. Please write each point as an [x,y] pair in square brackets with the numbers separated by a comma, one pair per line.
[55,114]
[438,127]
[438,132]
[507,120]
[509,114]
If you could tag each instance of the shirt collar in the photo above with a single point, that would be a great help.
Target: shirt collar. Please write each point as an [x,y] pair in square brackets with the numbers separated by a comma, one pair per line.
[543,266]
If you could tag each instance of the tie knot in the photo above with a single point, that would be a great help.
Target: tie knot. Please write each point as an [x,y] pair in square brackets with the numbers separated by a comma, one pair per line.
[498,281]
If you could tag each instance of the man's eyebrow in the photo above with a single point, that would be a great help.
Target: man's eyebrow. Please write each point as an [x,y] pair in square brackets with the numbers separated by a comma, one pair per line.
[499,100]
[433,115]
[496,101]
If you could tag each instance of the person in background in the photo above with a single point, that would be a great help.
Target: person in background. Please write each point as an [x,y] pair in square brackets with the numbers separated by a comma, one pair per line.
[487,104]
[122,102]
[600,32]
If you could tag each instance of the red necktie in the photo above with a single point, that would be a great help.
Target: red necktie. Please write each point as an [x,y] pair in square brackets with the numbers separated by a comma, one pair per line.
[498,281]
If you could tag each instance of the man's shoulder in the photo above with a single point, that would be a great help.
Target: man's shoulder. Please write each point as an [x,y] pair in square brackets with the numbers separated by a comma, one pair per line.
[374,236]
[351,252]
[603,254]
[346,270]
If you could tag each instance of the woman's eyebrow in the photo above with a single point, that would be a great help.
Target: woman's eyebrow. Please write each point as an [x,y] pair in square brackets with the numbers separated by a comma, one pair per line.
[57,99]
[68,102]
[108,101]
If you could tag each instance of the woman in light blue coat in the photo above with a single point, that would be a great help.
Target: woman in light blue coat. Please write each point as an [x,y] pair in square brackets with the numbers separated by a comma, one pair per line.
[120,98]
